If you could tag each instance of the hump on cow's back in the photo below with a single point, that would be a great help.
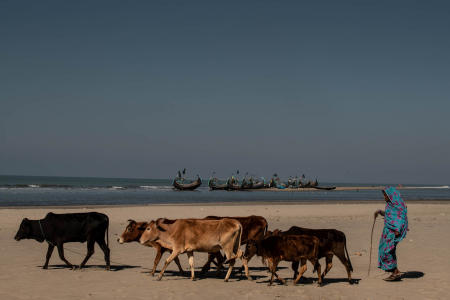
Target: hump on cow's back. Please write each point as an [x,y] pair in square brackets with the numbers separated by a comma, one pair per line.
[49,215]
[169,221]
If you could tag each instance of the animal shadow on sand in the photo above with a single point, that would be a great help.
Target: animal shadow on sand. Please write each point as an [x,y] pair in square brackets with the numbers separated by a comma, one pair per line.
[114,268]
[326,280]
[212,274]
[412,275]
[311,280]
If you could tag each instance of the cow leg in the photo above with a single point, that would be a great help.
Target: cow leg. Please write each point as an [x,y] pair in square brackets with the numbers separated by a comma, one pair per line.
[317,268]
[329,262]
[177,261]
[230,269]
[90,251]
[106,252]
[271,279]
[159,253]
[49,254]
[302,270]
[279,278]
[295,268]
[60,247]
[273,269]
[232,260]
[190,255]
[245,265]
[220,259]
[207,265]
[172,256]
[341,255]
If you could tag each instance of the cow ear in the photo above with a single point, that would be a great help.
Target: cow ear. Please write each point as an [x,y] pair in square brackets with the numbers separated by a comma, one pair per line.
[131,222]
[160,228]
[142,227]
[161,224]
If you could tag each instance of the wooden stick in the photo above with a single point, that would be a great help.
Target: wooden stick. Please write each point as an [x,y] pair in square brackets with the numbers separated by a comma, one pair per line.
[371,238]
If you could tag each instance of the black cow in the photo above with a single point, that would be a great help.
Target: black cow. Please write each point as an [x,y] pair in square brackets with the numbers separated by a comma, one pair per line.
[332,242]
[57,229]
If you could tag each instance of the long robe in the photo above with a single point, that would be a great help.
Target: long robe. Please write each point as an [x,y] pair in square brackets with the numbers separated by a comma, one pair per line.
[395,220]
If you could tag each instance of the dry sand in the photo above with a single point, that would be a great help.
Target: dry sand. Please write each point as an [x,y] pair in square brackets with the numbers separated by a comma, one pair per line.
[425,250]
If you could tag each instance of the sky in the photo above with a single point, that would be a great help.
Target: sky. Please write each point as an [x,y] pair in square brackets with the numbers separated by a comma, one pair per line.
[346,91]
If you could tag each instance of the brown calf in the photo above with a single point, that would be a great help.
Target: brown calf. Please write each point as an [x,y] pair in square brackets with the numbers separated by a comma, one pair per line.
[332,242]
[274,249]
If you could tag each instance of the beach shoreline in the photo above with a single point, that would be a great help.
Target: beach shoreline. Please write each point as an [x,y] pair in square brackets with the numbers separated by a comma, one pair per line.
[233,203]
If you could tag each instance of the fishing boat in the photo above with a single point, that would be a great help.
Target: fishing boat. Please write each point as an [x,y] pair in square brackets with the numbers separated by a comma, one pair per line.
[179,184]
[327,188]
[214,184]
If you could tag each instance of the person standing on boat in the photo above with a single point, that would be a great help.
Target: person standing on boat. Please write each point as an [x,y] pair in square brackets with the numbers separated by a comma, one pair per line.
[395,228]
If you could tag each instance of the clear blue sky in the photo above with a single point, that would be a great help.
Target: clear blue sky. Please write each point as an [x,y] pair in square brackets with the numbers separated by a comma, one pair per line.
[349,91]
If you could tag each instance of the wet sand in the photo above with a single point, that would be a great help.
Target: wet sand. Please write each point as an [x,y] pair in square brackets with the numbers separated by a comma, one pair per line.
[423,255]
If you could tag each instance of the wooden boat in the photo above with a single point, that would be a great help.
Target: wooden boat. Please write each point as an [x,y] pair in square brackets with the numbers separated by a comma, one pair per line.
[327,188]
[187,186]
[258,185]
[214,184]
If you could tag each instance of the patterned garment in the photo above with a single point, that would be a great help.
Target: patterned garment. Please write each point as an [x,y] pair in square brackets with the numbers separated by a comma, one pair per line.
[395,220]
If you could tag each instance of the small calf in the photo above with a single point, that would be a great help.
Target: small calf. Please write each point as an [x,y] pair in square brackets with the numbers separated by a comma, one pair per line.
[274,249]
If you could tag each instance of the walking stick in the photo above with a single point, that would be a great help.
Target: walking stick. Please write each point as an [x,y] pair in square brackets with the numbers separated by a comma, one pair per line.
[371,238]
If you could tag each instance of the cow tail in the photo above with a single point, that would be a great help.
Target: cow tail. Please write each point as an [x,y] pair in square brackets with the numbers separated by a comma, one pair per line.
[348,256]
[107,232]
[236,247]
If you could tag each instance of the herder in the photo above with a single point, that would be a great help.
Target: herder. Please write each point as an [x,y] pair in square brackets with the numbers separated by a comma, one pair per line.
[395,227]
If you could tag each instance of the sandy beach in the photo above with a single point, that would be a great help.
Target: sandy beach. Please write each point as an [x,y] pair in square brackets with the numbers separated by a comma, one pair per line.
[423,255]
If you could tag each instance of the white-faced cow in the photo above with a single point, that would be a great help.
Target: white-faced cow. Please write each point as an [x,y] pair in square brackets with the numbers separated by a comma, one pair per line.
[57,229]
[189,235]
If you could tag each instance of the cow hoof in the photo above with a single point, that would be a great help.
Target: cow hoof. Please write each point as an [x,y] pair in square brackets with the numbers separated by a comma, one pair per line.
[193,279]
[108,268]
[159,278]
[45,267]
[250,278]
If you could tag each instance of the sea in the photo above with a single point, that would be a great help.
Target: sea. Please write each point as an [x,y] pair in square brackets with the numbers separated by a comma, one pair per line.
[77,191]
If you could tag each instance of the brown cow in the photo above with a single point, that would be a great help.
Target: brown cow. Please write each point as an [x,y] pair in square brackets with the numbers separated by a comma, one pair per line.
[133,233]
[332,242]
[189,235]
[274,249]
[253,228]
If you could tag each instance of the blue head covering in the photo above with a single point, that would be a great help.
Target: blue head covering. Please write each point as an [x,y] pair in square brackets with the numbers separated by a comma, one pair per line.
[396,213]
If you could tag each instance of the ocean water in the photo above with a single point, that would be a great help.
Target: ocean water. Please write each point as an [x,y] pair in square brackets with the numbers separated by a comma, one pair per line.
[64,191]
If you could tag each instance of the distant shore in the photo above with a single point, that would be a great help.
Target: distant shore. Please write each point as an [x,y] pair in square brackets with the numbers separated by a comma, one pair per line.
[348,188]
